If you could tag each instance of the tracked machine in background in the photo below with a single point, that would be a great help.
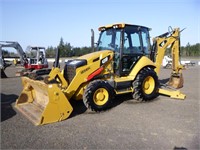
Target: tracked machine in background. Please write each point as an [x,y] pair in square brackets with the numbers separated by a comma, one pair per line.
[17,47]
[21,53]
[37,61]
[36,64]
[123,62]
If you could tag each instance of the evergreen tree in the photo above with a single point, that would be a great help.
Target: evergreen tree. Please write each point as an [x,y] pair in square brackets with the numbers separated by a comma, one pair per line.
[188,51]
[61,47]
[50,52]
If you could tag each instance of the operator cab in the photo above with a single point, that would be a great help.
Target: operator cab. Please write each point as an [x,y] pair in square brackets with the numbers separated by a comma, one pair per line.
[37,55]
[129,43]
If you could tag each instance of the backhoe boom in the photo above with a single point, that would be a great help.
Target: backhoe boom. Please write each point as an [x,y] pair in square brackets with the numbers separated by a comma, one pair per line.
[161,43]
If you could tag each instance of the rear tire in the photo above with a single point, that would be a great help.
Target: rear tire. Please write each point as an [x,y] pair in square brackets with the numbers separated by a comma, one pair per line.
[98,95]
[146,85]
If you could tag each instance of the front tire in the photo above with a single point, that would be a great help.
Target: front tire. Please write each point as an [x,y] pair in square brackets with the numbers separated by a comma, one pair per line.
[98,95]
[146,85]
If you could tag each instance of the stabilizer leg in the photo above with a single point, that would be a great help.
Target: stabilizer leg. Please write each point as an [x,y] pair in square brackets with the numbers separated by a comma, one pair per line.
[172,94]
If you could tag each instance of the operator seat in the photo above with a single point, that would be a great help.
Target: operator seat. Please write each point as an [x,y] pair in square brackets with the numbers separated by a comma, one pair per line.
[133,50]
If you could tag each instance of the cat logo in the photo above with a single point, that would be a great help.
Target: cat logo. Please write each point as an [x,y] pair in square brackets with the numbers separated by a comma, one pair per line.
[104,60]
[86,69]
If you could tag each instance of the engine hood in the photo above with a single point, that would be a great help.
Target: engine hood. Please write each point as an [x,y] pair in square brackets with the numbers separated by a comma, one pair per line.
[100,56]
[95,56]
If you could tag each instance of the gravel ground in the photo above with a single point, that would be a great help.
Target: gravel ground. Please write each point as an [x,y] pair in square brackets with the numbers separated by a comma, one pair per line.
[163,123]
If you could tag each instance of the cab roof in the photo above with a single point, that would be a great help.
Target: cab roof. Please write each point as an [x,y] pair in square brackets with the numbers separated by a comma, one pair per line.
[119,25]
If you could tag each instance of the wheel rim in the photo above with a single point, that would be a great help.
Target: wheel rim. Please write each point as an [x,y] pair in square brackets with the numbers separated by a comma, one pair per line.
[148,85]
[100,96]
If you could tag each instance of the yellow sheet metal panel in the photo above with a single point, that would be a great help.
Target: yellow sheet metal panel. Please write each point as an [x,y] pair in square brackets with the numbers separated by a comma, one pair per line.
[79,92]
[143,62]
[92,56]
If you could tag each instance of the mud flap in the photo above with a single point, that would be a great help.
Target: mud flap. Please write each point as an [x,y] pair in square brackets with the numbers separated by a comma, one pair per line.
[43,103]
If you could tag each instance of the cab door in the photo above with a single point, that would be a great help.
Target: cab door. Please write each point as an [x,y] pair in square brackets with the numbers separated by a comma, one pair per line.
[135,45]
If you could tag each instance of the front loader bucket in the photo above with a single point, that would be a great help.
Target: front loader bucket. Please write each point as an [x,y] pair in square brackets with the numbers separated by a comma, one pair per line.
[43,103]
[176,81]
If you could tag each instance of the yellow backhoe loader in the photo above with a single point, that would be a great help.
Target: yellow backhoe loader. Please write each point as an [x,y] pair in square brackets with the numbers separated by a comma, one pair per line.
[123,62]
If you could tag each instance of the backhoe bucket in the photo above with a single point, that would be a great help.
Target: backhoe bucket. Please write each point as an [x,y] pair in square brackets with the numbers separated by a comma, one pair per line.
[176,81]
[43,103]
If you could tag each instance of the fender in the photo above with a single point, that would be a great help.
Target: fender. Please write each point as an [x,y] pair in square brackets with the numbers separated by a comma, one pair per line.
[141,63]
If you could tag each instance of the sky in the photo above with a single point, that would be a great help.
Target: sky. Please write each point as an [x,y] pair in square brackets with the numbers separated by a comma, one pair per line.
[44,22]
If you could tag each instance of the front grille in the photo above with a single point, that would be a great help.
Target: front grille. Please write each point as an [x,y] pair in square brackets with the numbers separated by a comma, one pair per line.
[69,73]
[71,66]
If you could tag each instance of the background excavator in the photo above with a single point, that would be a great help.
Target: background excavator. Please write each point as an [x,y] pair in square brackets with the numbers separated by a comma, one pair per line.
[123,62]
[36,61]
[21,53]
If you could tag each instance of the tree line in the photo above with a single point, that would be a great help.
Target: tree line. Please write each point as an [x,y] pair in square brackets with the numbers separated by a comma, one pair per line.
[190,50]
[67,50]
